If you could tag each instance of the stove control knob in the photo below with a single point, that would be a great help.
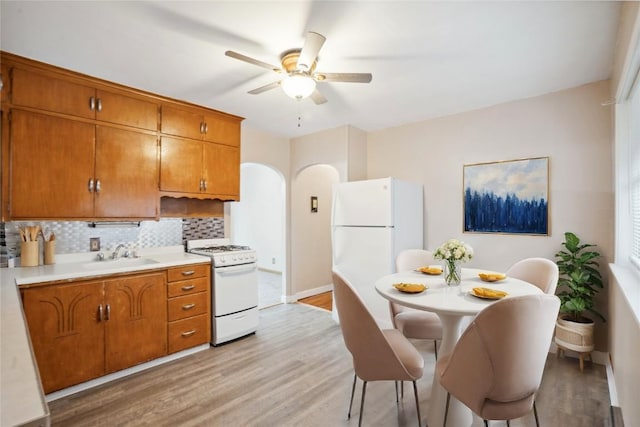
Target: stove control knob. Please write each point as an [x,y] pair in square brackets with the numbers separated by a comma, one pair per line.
[222,260]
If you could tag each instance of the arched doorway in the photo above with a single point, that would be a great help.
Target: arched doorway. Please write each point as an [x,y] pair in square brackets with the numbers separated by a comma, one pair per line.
[311,230]
[258,220]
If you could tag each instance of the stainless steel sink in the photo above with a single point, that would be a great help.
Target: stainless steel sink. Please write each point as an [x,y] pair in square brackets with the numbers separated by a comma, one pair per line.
[118,263]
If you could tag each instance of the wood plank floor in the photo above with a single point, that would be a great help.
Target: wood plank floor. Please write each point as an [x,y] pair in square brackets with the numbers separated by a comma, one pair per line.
[295,371]
[323,300]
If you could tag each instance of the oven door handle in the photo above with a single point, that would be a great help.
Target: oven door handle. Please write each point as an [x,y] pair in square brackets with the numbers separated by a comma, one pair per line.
[235,269]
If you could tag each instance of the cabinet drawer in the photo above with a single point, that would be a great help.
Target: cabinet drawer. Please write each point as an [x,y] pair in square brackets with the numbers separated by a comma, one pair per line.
[187,287]
[187,272]
[189,333]
[188,306]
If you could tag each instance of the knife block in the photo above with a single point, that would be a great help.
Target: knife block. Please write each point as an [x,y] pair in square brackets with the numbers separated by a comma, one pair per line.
[49,252]
[29,254]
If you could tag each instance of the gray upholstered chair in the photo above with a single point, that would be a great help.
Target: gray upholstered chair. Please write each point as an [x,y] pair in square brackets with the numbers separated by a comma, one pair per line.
[496,367]
[412,323]
[538,271]
[378,355]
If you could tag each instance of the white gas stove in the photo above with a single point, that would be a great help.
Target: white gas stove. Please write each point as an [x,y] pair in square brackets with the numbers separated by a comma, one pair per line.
[234,288]
[222,252]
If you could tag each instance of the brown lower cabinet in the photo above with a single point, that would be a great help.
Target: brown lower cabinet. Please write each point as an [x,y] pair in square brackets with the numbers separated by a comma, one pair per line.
[84,330]
[189,306]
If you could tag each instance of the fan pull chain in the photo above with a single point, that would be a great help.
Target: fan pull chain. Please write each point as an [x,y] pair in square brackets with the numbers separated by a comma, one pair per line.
[299,113]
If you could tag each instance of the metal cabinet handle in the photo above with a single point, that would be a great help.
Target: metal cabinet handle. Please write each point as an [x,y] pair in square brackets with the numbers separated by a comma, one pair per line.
[206,127]
[204,184]
[188,273]
[187,306]
[201,127]
[97,185]
[100,313]
[92,103]
[90,185]
[108,312]
[188,288]
[99,105]
[189,333]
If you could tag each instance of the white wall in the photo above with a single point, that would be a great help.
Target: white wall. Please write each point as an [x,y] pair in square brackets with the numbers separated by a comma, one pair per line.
[259,217]
[272,151]
[571,127]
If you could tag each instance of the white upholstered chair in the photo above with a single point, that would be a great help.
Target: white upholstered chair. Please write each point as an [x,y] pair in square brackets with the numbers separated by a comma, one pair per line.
[496,366]
[378,355]
[538,271]
[416,323]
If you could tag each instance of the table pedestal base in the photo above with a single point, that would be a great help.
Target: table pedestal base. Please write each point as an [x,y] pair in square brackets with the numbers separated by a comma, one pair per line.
[459,415]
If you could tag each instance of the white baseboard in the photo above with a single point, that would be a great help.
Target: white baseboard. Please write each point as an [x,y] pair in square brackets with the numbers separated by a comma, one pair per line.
[125,372]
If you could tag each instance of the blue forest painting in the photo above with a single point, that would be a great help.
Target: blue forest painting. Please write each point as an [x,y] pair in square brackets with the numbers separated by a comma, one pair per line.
[507,197]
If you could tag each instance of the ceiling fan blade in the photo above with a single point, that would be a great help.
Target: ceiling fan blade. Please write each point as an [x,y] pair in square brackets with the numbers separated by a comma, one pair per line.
[264,88]
[244,58]
[310,50]
[317,97]
[344,77]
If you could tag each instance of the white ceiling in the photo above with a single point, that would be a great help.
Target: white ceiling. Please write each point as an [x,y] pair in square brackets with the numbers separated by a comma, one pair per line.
[428,59]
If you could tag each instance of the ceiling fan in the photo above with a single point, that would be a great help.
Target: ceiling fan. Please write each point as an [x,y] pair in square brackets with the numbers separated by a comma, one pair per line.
[299,71]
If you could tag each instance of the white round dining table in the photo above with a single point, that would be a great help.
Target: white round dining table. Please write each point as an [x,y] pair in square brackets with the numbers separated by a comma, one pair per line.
[451,304]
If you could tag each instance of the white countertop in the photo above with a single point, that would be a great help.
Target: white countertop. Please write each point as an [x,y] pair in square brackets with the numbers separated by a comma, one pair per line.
[21,396]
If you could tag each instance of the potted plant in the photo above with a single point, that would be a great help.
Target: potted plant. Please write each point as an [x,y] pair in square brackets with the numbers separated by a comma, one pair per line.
[579,283]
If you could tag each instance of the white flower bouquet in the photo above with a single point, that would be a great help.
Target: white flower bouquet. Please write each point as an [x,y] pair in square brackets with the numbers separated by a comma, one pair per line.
[453,252]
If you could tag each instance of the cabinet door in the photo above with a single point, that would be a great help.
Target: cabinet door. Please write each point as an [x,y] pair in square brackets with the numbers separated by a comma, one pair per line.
[125,110]
[222,131]
[180,165]
[127,169]
[51,165]
[222,170]
[181,123]
[136,328]
[46,92]
[66,333]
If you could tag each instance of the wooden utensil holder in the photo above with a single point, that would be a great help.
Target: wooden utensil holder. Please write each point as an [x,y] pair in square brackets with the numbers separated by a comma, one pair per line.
[29,254]
[50,252]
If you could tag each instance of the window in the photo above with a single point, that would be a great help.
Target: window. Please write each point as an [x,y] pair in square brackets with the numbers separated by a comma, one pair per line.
[634,172]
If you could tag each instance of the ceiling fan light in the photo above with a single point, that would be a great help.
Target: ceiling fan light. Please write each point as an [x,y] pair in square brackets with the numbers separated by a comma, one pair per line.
[298,86]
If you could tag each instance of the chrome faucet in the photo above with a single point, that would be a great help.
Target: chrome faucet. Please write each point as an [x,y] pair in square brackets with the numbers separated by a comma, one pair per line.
[116,253]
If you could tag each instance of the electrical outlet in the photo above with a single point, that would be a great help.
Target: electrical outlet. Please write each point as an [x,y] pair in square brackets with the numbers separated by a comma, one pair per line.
[94,244]
[273,260]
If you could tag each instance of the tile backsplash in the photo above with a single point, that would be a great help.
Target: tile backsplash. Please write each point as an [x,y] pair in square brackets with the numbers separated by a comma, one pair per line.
[73,236]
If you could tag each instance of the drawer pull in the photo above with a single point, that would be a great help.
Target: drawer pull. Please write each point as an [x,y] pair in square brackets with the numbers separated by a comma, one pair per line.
[189,333]
[188,306]
[188,288]
[188,273]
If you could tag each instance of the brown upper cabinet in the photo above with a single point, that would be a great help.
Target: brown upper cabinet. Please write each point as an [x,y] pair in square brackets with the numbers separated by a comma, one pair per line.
[47,92]
[199,153]
[202,125]
[201,168]
[78,147]
[63,168]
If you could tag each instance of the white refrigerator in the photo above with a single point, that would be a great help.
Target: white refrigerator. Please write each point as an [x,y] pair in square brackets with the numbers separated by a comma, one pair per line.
[372,221]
